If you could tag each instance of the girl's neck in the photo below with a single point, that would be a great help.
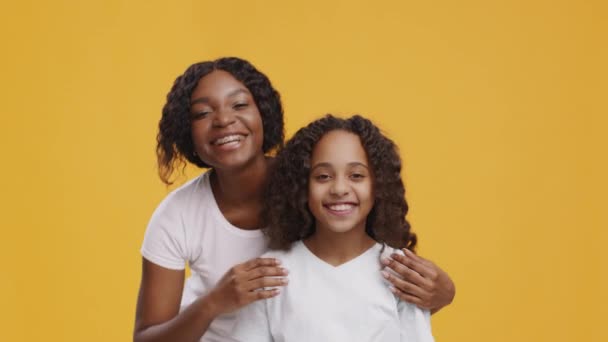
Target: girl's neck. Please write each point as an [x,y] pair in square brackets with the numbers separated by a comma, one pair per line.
[243,185]
[339,248]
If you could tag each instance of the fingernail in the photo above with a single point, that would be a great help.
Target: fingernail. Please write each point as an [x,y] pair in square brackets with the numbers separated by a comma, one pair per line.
[385,274]
[385,261]
[392,288]
[285,280]
[277,261]
[285,271]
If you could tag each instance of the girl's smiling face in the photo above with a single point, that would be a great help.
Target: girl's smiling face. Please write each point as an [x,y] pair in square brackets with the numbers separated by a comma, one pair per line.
[340,190]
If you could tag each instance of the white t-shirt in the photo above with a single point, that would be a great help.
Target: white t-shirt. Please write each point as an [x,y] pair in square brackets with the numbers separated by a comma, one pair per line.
[188,227]
[350,302]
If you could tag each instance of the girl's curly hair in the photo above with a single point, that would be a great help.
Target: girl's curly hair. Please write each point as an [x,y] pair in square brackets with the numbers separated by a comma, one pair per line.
[174,140]
[286,214]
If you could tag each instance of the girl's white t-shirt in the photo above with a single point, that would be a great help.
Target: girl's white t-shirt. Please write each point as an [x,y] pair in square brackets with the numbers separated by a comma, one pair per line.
[350,302]
[189,228]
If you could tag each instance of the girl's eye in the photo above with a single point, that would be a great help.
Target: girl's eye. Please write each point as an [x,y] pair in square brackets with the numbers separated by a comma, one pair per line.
[322,178]
[357,176]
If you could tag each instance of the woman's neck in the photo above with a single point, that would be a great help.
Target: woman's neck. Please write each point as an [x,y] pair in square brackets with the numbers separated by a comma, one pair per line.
[338,248]
[241,186]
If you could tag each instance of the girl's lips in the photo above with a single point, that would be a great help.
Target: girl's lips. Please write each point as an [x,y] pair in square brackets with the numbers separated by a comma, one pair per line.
[340,209]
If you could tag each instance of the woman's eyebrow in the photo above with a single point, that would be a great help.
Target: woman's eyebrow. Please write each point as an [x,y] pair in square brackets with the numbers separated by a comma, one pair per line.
[206,100]
[200,100]
[238,91]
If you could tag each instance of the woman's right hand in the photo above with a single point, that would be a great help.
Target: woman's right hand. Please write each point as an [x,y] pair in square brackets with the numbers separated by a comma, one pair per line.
[247,282]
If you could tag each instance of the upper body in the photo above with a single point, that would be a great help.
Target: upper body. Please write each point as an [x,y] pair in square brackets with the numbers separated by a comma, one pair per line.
[225,115]
[336,199]
[322,302]
[189,228]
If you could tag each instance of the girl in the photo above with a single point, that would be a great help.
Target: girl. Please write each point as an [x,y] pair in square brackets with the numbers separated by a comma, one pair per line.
[336,201]
[225,115]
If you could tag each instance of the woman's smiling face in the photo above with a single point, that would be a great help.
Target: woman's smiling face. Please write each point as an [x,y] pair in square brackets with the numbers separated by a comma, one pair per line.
[227,126]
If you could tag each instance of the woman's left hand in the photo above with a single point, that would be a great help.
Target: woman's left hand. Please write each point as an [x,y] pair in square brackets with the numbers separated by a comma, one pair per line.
[420,281]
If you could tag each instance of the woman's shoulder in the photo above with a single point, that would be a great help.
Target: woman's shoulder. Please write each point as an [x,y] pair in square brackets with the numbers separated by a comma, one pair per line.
[196,189]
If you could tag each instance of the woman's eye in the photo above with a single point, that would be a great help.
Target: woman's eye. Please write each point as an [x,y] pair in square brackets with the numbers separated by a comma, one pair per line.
[200,115]
[357,176]
[240,106]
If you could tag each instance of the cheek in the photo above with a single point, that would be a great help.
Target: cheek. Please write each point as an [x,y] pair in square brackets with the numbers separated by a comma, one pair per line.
[195,134]
[314,196]
[197,129]
[257,126]
[366,192]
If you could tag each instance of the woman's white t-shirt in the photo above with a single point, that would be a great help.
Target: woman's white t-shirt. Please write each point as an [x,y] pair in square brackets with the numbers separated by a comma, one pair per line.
[189,228]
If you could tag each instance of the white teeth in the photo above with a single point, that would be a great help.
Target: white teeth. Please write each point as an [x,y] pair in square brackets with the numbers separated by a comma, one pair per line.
[227,139]
[341,207]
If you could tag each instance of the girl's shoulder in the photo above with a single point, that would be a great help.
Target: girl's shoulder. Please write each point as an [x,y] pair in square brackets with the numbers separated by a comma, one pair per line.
[386,250]
[273,253]
[287,256]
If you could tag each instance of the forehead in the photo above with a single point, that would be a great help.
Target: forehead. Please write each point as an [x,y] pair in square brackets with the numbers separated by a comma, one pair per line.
[218,83]
[339,147]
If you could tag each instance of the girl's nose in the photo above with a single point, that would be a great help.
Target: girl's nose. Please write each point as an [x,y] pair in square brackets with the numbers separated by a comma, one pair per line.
[339,187]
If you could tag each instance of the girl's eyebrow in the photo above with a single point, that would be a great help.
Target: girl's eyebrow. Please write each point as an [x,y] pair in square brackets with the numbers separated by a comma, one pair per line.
[326,164]
[231,94]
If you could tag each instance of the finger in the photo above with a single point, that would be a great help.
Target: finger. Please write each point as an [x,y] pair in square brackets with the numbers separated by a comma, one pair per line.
[417,257]
[263,294]
[403,285]
[413,264]
[266,283]
[257,262]
[266,271]
[404,271]
[406,297]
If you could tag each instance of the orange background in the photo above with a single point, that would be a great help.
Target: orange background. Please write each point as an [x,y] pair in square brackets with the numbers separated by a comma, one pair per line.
[499,108]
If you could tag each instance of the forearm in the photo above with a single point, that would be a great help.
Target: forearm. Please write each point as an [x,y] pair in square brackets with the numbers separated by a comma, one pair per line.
[189,325]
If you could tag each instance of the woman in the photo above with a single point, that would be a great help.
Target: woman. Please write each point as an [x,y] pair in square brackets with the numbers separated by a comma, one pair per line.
[225,115]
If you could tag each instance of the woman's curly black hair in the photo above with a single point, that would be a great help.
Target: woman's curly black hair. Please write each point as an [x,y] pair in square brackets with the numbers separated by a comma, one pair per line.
[174,139]
[287,216]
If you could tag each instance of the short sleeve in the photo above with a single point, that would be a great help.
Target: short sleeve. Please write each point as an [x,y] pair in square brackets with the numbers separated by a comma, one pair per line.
[165,242]
[415,323]
[252,324]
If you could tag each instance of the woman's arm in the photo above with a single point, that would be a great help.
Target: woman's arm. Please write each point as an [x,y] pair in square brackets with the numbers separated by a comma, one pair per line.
[420,281]
[158,318]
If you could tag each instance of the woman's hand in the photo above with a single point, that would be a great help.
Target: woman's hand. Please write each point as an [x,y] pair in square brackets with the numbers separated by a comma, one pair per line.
[248,282]
[419,281]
